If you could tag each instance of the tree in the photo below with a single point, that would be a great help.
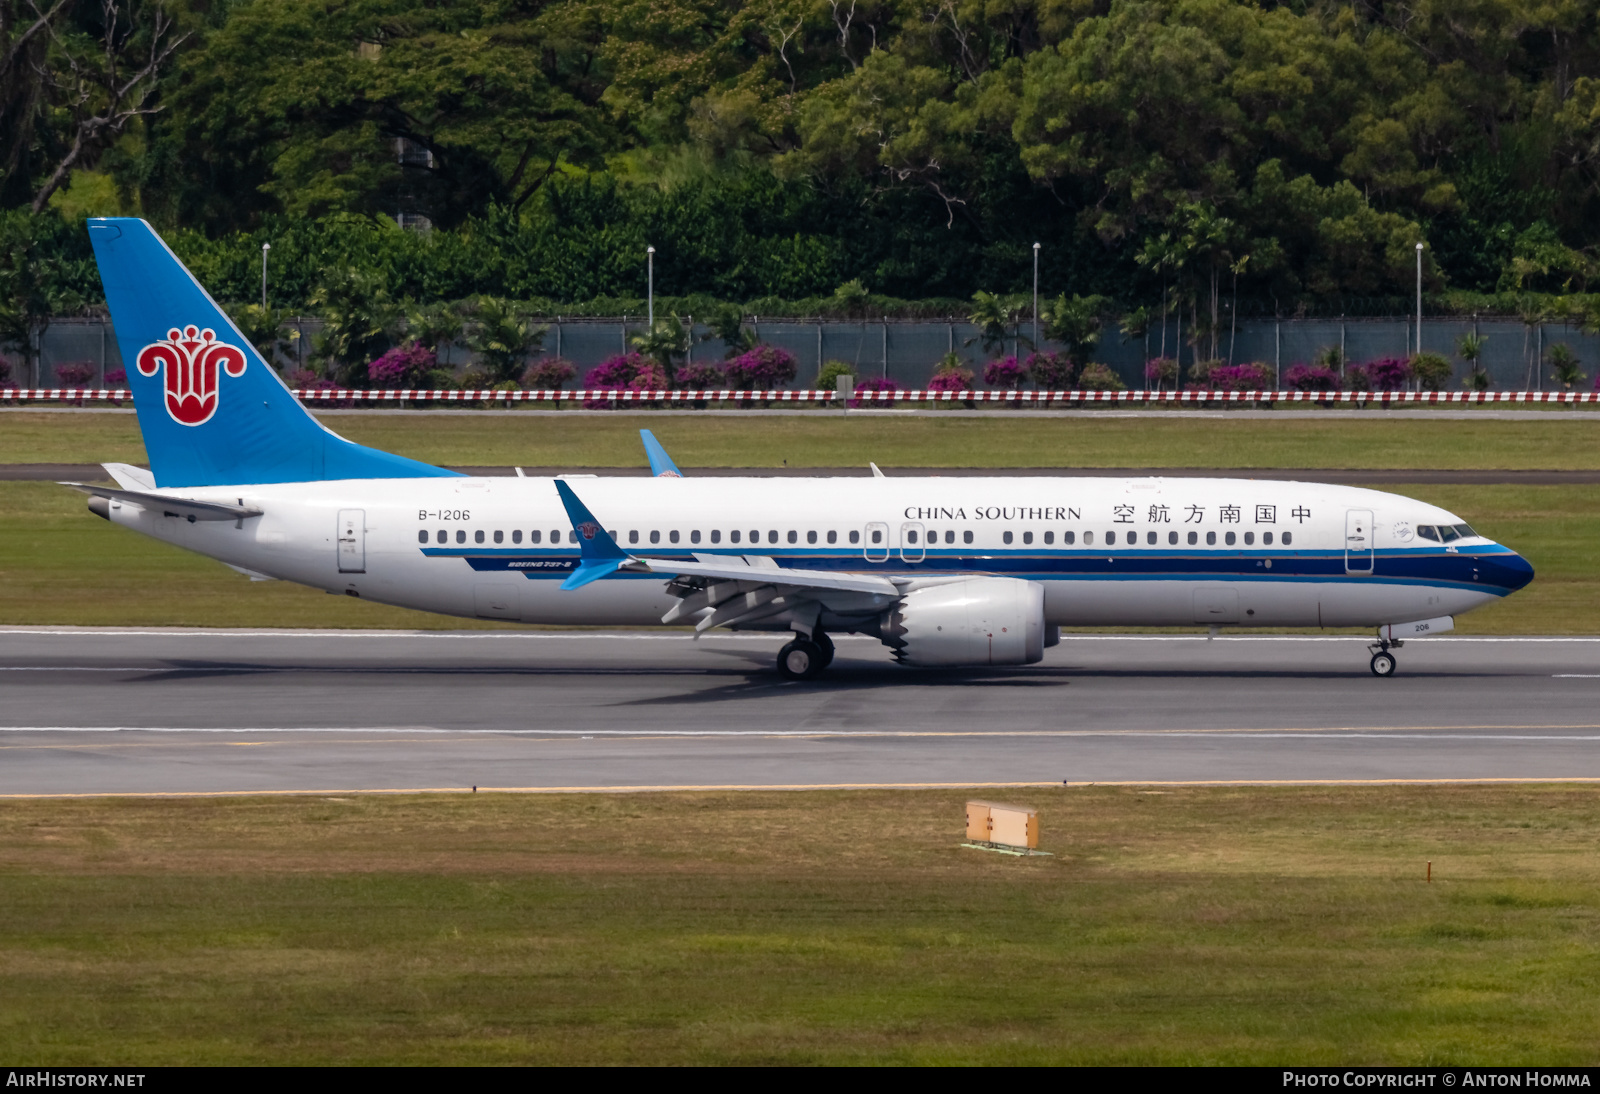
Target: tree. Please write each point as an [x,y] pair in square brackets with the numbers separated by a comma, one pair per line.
[101,81]
[386,106]
[1564,365]
[40,270]
[726,324]
[359,318]
[996,318]
[1076,323]
[502,338]
[664,343]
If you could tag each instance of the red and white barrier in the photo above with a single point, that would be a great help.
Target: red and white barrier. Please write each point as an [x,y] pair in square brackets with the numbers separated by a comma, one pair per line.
[315,396]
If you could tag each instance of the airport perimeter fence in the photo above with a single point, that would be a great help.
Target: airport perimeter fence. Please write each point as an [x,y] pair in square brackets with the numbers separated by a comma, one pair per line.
[619,398]
[907,351]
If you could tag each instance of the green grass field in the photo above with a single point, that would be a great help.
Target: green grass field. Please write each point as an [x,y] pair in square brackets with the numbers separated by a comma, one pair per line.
[1175,926]
[61,565]
[831,440]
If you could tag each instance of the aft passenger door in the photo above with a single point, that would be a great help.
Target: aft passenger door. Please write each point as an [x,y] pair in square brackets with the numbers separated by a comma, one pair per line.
[1358,541]
[352,541]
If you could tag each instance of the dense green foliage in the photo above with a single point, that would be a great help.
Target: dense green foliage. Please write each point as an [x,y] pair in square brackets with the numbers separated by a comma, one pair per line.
[1290,155]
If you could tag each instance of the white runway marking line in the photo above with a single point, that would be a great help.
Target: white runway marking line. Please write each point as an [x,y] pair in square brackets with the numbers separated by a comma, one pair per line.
[1381,733]
[1576,676]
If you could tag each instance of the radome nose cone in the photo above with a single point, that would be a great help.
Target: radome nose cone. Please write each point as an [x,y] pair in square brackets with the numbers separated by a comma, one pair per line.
[1515,571]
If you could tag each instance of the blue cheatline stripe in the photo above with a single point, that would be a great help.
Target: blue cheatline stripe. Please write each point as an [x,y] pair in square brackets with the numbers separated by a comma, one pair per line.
[1411,568]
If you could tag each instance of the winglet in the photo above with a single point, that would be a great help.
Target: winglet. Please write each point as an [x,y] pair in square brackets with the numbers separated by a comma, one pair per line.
[598,554]
[661,465]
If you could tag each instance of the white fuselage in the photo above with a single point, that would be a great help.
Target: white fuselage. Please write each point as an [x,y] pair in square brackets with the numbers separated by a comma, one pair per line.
[1117,552]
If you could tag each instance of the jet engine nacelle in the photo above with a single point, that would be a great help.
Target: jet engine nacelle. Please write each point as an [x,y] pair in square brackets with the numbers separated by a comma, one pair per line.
[980,621]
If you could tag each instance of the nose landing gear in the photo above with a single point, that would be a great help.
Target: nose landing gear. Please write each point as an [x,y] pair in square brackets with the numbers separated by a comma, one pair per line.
[1383,662]
[804,658]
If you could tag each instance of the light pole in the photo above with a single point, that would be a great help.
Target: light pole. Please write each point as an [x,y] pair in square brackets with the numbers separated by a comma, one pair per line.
[650,261]
[265,247]
[1419,298]
[1036,298]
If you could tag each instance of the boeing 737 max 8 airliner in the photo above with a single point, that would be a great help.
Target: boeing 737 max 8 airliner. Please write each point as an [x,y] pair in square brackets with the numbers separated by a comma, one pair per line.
[944,571]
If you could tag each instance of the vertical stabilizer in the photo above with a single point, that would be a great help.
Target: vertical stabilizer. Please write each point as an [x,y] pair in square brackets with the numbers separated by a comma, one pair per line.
[212,412]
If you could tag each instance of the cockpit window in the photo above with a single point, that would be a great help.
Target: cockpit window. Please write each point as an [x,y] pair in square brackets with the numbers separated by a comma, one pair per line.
[1428,531]
[1448,533]
[1465,531]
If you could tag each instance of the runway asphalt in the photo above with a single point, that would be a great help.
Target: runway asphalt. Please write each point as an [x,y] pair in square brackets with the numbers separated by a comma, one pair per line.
[95,712]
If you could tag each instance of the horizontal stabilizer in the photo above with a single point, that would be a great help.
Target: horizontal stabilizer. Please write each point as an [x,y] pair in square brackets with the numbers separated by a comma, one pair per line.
[170,506]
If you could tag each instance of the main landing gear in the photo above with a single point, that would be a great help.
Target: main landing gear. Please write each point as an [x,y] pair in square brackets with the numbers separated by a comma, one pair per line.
[805,657]
[1383,663]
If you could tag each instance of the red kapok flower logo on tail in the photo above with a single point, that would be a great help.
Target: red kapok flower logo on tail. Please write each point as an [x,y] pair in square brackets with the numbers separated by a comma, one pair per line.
[589,529]
[191,358]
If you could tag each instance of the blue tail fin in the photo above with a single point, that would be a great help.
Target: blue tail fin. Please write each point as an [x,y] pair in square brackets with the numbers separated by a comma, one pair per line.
[212,412]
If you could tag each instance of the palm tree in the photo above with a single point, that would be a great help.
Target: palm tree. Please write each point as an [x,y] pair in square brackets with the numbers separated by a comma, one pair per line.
[1469,347]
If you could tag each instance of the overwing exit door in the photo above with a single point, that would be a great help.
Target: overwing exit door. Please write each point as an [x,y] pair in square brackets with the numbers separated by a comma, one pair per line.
[352,541]
[1358,541]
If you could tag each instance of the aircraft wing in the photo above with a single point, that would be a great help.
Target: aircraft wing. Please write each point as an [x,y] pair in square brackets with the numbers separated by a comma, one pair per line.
[730,568]
[173,507]
[727,590]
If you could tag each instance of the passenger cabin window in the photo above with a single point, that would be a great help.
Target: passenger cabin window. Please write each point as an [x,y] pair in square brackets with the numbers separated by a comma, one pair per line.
[1249,538]
[1005,537]
[535,536]
[1049,538]
[1088,539]
[477,537]
[716,536]
[1172,538]
[422,537]
[911,537]
[655,537]
[694,536]
[1027,537]
[733,536]
[633,536]
[1194,537]
[1111,539]
[516,535]
[499,536]
[1150,538]
[794,537]
[555,536]
[811,537]
[772,537]
[877,536]
[1068,537]
[833,537]
[1266,539]
[966,537]
[1230,538]
[1211,539]
[949,537]
[855,537]
[1288,538]
[673,535]
[461,535]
